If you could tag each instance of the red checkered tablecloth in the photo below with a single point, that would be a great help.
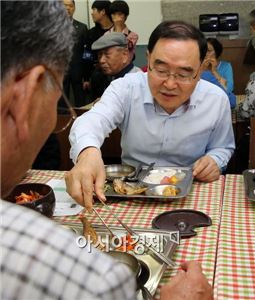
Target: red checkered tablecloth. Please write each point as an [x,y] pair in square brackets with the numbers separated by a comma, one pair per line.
[235,269]
[205,197]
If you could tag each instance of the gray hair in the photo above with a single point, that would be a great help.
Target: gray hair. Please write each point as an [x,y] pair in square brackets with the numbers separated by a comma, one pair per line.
[33,33]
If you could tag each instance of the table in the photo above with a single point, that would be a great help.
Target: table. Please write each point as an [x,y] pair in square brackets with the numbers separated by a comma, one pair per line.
[139,213]
[235,267]
[226,249]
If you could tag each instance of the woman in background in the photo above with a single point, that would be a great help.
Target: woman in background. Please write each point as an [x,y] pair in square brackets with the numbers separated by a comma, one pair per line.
[214,70]
[221,69]
[119,11]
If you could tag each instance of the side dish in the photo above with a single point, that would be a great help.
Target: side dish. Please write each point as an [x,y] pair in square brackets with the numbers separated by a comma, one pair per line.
[125,188]
[169,191]
[24,198]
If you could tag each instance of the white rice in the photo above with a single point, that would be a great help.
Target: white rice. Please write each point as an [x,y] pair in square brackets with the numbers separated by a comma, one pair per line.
[155,176]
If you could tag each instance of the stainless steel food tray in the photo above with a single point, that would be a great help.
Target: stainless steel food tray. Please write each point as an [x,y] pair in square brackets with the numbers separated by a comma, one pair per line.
[184,185]
[156,268]
[249,183]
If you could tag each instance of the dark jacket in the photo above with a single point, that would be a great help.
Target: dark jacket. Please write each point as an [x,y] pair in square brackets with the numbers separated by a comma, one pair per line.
[100,81]
[93,34]
[77,72]
[249,57]
[80,38]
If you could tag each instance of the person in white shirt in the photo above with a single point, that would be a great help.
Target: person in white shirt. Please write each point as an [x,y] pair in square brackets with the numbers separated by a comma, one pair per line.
[167,116]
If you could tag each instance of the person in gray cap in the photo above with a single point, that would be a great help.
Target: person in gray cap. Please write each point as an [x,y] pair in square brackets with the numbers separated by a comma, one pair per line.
[113,62]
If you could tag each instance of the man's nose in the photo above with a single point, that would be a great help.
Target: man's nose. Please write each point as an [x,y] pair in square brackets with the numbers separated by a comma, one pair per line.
[102,59]
[170,82]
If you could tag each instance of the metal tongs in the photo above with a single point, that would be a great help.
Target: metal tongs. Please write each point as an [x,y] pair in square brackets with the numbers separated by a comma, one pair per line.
[162,257]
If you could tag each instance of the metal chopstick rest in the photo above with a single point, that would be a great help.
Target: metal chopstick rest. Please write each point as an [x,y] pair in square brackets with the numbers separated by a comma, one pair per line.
[160,256]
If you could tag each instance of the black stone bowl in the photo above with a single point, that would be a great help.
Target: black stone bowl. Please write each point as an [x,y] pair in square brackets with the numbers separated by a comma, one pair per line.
[44,205]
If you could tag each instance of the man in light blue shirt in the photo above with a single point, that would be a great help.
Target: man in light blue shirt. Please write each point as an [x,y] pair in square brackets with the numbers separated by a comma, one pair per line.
[167,116]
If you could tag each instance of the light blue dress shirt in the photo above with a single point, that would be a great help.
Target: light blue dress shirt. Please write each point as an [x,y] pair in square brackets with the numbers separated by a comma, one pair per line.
[149,134]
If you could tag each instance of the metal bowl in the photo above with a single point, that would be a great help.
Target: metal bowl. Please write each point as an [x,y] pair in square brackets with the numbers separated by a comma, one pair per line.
[138,268]
[118,171]
[159,190]
[127,259]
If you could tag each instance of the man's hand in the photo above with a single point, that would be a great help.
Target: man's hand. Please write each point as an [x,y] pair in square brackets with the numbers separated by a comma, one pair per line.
[86,85]
[86,177]
[210,64]
[206,169]
[189,283]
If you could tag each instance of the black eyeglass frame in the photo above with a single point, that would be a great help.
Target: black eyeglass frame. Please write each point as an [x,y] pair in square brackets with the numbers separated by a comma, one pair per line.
[73,114]
[174,75]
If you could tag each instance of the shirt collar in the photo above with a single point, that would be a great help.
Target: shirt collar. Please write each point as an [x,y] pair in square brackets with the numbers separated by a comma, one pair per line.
[123,71]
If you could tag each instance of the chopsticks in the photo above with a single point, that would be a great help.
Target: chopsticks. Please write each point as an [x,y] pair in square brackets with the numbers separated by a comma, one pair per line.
[103,221]
[160,256]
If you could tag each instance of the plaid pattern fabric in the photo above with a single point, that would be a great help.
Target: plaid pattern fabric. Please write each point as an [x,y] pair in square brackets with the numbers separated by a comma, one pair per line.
[205,197]
[42,261]
[235,268]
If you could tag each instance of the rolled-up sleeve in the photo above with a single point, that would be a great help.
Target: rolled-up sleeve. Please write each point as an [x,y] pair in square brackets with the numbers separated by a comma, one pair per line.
[91,128]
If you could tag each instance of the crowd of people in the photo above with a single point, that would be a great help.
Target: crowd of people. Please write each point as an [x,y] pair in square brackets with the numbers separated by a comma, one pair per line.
[87,78]
[109,17]
[106,52]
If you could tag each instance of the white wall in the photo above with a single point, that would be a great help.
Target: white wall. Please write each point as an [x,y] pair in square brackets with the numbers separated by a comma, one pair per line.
[143,17]
[81,13]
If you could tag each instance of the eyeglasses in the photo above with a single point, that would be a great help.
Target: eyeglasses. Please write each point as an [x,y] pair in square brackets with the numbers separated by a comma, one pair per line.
[69,114]
[178,77]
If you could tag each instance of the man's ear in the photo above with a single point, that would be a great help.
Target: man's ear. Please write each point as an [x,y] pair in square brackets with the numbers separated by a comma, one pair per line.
[147,57]
[25,87]
[126,56]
